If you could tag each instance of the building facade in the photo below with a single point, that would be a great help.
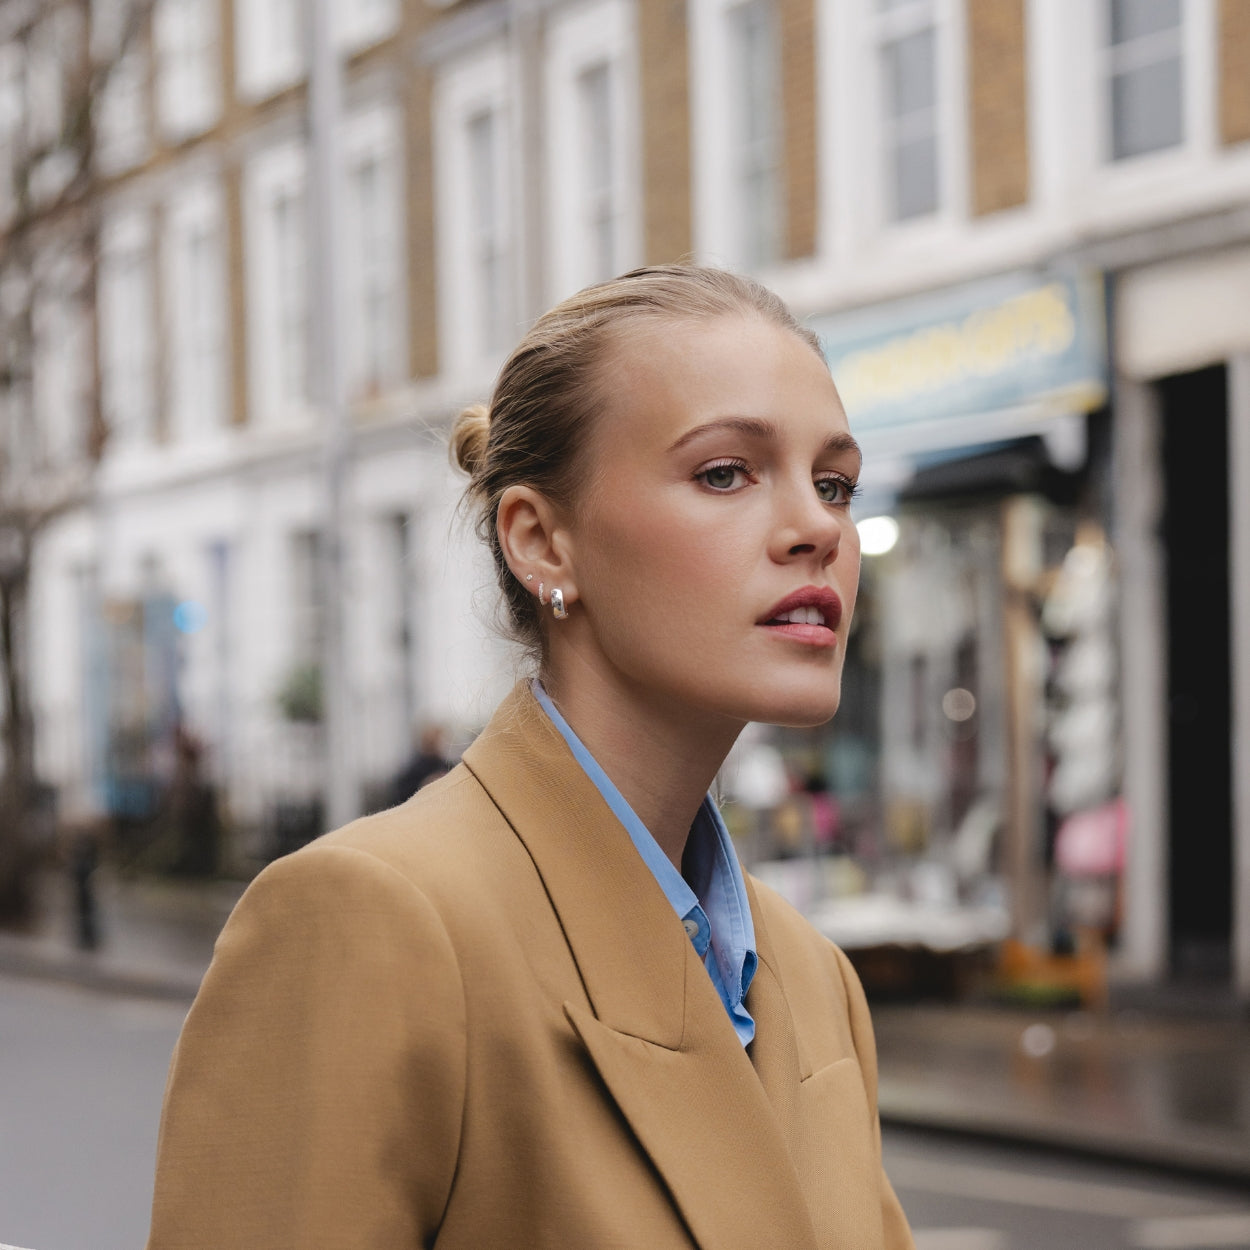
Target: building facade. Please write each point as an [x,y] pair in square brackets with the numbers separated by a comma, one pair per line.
[1021,226]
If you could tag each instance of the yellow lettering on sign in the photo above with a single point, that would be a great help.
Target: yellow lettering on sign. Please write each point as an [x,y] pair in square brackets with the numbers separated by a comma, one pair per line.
[991,341]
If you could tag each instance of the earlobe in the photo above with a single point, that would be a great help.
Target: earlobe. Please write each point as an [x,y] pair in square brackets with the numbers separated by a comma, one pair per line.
[531,540]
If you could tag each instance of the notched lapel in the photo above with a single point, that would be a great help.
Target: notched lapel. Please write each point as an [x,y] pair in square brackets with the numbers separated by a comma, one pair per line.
[655,1028]
[701,1115]
[627,942]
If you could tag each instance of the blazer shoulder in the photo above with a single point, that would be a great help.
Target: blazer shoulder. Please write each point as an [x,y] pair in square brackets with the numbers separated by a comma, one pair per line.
[442,825]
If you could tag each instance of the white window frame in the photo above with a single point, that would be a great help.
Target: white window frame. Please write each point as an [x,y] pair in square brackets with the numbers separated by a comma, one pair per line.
[580,39]
[476,84]
[61,351]
[304,557]
[199,406]
[187,37]
[122,113]
[45,76]
[910,18]
[279,172]
[262,69]
[1199,87]
[856,225]
[375,135]
[1070,104]
[362,23]
[12,123]
[715,98]
[127,328]
[1122,57]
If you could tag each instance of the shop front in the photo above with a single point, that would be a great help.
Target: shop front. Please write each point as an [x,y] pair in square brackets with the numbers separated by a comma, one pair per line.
[1182,421]
[969,789]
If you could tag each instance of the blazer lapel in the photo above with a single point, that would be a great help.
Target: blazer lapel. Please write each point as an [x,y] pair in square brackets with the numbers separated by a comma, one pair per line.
[656,1030]
[774,1053]
[782,1070]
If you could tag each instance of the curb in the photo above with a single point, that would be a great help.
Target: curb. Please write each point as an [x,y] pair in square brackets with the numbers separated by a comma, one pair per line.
[1186,1151]
[83,971]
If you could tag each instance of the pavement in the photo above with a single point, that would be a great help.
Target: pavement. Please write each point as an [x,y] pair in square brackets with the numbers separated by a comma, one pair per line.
[156,935]
[1162,1088]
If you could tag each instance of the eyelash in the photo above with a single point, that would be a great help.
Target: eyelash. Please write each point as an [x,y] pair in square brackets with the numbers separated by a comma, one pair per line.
[849,485]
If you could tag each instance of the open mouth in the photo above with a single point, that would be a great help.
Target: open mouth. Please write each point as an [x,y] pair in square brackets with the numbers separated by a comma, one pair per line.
[810,615]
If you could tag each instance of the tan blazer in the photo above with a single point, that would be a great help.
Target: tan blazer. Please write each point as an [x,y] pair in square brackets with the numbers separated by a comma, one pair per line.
[475,1021]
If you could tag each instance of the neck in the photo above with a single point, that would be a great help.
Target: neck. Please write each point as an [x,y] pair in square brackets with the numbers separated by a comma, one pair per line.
[659,756]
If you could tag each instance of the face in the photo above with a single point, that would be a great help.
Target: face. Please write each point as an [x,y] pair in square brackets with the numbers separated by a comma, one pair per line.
[714,557]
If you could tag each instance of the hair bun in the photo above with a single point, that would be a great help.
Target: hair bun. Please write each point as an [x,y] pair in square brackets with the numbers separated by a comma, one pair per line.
[469,434]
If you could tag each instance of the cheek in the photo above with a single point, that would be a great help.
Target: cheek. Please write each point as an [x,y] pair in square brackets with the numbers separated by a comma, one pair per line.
[639,539]
[646,559]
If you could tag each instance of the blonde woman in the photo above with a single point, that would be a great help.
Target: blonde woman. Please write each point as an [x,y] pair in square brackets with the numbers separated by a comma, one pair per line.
[539,1004]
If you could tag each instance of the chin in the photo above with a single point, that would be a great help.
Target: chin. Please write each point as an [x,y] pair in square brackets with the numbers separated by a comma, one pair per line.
[801,708]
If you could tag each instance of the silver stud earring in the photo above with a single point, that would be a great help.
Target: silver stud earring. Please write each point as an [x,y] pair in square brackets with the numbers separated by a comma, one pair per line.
[541,598]
[557,604]
[529,577]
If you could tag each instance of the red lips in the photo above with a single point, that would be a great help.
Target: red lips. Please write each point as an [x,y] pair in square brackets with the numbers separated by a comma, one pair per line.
[824,598]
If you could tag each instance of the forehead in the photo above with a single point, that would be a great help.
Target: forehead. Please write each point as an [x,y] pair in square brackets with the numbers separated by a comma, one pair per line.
[664,377]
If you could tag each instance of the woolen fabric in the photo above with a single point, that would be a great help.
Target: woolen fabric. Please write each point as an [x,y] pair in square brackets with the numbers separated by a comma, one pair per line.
[475,1021]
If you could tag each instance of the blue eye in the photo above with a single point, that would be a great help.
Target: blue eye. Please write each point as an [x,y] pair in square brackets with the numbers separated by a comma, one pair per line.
[723,477]
[835,490]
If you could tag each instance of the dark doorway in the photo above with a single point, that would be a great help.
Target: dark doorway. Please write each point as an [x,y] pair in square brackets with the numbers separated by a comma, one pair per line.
[1195,537]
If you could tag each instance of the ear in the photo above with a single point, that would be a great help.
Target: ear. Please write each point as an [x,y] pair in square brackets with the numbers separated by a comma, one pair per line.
[534,541]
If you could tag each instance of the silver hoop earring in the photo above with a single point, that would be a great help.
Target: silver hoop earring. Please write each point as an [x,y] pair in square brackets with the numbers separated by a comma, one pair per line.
[557,604]
[541,598]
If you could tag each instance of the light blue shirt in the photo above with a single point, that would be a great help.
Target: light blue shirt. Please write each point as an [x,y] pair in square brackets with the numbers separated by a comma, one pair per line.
[712,906]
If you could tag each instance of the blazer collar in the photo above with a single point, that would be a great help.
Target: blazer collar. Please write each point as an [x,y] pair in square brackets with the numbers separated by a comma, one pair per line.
[657,1031]
[624,934]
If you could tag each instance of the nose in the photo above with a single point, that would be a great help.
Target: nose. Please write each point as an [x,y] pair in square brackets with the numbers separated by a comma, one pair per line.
[807,527]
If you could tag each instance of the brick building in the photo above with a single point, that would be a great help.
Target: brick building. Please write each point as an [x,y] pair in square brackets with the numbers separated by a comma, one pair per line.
[1023,227]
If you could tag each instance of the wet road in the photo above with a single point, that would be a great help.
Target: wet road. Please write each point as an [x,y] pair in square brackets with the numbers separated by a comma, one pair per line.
[81,1077]
[962,1194]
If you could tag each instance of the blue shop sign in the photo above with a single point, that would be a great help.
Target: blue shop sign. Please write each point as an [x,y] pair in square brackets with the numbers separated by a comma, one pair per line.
[1022,340]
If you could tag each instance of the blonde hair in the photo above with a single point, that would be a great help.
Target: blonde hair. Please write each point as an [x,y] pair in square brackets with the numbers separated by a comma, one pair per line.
[534,430]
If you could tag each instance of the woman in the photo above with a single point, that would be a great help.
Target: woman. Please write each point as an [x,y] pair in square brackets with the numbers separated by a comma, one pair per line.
[538,1005]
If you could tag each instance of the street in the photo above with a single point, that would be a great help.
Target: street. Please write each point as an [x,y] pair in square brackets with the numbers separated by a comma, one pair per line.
[81,1076]
[969,1195]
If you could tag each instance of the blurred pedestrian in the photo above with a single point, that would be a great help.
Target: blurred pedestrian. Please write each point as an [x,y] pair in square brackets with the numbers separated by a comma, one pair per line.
[191,802]
[428,763]
[82,833]
[540,1004]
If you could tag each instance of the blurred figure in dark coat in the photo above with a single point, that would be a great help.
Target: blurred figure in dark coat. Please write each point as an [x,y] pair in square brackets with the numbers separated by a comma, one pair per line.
[428,763]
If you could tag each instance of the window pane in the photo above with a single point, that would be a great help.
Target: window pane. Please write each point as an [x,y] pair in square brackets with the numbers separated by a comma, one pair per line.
[288,236]
[756,67]
[757,121]
[1131,19]
[908,71]
[373,275]
[482,171]
[203,359]
[1146,113]
[595,95]
[594,89]
[485,192]
[915,177]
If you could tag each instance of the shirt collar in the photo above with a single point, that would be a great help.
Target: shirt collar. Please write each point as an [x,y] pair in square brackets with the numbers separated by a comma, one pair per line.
[714,909]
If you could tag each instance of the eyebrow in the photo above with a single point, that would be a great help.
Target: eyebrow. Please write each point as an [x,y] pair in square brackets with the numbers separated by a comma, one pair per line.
[761,428]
